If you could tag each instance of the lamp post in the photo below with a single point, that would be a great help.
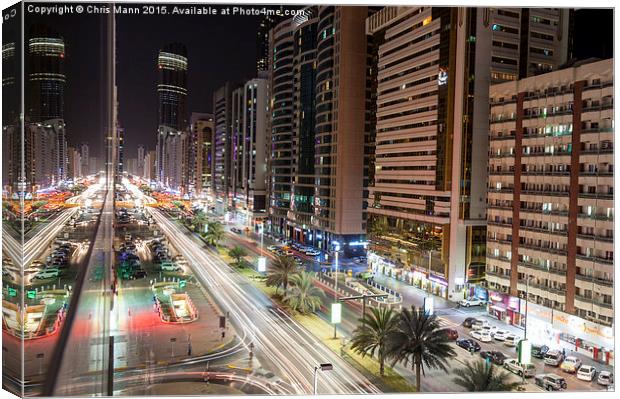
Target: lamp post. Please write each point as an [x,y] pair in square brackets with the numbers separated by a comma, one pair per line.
[315,377]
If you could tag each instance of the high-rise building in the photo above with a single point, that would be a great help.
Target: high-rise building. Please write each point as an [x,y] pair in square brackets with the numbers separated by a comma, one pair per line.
[11,128]
[120,150]
[319,127]
[280,125]
[551,204]
[140,161]
[222,117]
[248,163]
[74,165]
[95,165]
[84,150]
[150,166]
[131,166]
[174,162]
[200,153]
[433,67]
[172,96]
[262,40]
[45,141]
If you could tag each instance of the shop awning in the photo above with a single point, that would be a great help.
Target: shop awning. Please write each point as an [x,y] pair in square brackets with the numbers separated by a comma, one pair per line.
[498,308]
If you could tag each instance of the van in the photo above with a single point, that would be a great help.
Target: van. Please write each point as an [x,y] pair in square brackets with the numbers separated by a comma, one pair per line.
[553,358]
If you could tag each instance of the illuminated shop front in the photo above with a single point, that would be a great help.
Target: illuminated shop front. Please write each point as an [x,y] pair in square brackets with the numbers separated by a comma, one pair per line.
[504,307]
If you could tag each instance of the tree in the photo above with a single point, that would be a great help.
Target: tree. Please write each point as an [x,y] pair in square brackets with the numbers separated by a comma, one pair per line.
[303,296]
[280,272]
[420,342]
[237,253]
[214,233]
[373,335]
[482,377]
[378,228]
[200,220]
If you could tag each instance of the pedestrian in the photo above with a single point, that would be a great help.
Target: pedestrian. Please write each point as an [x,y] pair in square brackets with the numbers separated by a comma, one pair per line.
[563,352]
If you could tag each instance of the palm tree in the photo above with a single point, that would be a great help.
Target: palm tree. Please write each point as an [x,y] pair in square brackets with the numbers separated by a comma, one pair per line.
[303,296]
[419,341]
[200,219]
[374,334]
[280,272]
[482,377]
[378,228]
[214,233]
[237,253]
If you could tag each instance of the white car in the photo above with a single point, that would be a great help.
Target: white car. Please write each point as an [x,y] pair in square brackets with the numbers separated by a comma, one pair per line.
[471,302]
[500,335]
[47,273]
[586,373]
[514,366]
[478,324]
[482,336]
[605,378]
[511,340]
[490,329]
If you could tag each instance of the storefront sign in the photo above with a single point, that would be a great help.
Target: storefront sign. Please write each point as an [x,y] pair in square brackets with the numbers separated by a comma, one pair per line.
[495,297]
[438,280]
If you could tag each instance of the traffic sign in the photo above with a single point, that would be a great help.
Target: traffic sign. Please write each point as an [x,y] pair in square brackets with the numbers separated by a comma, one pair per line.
[336,313]
[32,294]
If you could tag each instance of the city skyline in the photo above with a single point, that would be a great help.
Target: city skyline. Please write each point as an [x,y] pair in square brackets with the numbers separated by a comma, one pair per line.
[136,82]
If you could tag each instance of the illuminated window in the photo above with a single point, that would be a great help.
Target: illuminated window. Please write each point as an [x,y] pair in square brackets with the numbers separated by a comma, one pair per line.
[427,21]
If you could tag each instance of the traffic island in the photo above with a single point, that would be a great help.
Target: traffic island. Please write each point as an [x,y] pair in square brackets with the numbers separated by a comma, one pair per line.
[173,307]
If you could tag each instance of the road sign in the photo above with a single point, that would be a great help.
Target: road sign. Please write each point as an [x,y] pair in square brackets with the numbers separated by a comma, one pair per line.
[336,313]
[32,294]
[12,292]
[429,305]
[262,264]
[525,352]
[182,283]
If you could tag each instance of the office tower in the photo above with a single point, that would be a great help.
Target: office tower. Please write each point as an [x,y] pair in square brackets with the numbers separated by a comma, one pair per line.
[248,163]
[551,206]
[45,142]
[200,148]
[174,162]
[150,165]
[84,150]
[131,166]
[171,96]
[94,165]
[140,161]
[319,127]
[74,168]
[427,203]
[222,116]
[120,150]
[262,40]
[280,125]
[11,128]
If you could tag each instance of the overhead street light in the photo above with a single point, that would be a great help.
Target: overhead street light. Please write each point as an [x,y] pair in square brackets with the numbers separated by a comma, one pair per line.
[322,367]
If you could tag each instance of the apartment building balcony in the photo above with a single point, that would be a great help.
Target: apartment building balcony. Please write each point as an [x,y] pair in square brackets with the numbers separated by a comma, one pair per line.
[501,137]
[596,195]
[595,259]
[533,266]
[595,217]
[595,280]
[556,251]
[596,237]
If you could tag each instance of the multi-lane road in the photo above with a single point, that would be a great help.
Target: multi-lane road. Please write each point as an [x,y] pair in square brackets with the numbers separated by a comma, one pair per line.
[280,343]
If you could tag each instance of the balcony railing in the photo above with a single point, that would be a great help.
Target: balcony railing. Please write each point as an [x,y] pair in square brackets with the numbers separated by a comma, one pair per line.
[595,280]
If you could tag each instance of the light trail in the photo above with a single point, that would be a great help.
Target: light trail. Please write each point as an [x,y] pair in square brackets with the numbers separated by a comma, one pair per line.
[278,337]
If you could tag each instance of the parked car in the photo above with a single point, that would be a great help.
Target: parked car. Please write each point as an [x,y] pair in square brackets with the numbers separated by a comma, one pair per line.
[47,273]
[605,378]
[471,302]
[586,373]
[494,356]
[468,344]
[553,358]
[452,334]
[571,364]
[500,335]
[169,267]
[512,340]
[539,351]
[468,322]
[236,230]
[482,336]
[490,329]
[550,382]
[514,366]
[140,273]
[478,324]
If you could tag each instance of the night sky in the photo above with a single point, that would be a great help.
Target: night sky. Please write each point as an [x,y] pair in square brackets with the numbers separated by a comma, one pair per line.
[220,48]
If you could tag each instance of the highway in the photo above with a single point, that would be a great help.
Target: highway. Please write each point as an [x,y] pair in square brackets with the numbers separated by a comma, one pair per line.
[281,344]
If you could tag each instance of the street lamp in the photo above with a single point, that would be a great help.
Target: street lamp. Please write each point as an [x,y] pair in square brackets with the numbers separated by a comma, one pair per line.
[322,367]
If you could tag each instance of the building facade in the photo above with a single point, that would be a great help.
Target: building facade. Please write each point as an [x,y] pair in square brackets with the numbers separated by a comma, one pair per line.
[172,67]
[222,149]
[200,153]
[434,66]
[248,158]
[551,211]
